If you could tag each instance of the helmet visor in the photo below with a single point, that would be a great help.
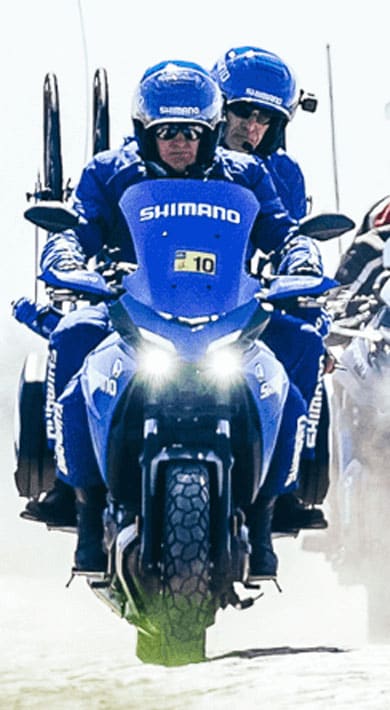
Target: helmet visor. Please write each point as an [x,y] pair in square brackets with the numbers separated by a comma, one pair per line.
[249,109]
[168,131]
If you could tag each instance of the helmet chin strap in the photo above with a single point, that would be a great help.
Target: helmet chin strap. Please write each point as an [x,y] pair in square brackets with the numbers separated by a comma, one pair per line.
[248,147]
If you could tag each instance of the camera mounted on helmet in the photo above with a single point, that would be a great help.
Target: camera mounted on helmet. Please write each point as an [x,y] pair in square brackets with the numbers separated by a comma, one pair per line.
[177,92]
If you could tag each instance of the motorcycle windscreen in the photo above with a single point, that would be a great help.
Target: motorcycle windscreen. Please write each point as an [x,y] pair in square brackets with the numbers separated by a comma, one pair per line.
[191,240]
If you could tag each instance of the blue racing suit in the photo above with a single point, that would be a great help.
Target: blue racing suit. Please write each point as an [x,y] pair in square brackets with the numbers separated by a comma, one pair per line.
[96,199]
[289,182]
[304,370]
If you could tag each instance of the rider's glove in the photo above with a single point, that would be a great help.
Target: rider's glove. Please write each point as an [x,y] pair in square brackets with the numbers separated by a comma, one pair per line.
[63,252]
[41,319]
[301,257]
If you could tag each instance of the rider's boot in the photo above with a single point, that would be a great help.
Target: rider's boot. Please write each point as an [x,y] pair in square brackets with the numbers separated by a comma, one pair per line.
[57,507]
[263,560]
[291,514]
[89,555]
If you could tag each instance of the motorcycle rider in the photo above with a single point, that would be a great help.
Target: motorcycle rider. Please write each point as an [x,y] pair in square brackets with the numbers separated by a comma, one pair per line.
[177,118]
[261,98]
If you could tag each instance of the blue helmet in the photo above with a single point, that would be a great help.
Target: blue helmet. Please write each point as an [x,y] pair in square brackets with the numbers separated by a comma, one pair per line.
[261,77]
[254,74]
[177,91]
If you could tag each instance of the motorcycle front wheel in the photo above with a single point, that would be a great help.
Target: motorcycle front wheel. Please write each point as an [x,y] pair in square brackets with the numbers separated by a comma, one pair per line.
[185,607]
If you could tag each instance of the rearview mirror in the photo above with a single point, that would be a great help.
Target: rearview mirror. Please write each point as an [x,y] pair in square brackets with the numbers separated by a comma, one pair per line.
[326,226]
[53,216]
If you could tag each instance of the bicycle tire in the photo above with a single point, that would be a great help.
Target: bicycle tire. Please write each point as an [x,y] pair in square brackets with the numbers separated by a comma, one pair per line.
[101,112]
[52,156]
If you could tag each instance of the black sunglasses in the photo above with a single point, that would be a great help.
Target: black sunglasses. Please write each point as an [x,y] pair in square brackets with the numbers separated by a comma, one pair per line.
[247,109]
[167,131]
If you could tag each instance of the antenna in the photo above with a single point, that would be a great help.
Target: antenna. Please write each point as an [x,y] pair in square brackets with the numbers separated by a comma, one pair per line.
[333,131]
[86,76]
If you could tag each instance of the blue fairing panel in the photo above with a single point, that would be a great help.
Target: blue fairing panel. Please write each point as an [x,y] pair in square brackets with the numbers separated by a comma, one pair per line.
[192,244]
[268,382]
[104,378]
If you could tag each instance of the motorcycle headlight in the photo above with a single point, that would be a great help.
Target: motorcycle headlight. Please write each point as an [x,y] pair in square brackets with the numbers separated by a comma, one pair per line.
[223,365]
[157,357]
[156,363]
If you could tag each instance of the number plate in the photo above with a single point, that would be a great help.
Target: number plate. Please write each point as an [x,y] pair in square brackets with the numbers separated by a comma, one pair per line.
[201,262]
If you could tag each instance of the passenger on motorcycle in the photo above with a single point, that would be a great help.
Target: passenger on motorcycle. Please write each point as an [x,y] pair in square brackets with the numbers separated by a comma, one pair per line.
[260,99]
[177,116]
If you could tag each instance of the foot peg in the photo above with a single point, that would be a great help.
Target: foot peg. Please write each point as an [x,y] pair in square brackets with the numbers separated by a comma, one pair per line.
[253,579]
[91,575]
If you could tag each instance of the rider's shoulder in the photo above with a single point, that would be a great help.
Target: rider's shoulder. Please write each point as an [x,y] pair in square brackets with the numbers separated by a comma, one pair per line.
[116,158]
[236,164]
[282,161]
[110,165]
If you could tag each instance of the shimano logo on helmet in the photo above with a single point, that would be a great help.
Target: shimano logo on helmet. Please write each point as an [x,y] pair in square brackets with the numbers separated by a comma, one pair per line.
[180,110]
[262,95]
[190,209]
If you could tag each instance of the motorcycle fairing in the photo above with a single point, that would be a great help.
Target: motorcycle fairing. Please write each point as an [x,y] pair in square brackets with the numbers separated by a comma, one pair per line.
[191,251]
[111,367]
[191,339]
[268,383]
[210,221]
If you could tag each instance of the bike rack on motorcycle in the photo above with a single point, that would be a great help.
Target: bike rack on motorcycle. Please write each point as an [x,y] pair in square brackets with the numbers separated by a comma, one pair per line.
[35,472]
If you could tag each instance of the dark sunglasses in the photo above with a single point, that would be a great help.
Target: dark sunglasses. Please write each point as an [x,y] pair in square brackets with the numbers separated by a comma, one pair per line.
[247,109]
[167,131]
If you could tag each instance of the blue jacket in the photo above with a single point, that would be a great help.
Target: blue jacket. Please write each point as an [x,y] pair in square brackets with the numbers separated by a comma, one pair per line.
[109,173]
[289,182]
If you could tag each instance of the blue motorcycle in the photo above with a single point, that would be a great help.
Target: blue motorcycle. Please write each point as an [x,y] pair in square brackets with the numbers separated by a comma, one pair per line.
[184,403]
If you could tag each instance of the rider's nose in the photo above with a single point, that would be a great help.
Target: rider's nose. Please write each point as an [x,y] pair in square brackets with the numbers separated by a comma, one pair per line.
[179,138]
[251,125]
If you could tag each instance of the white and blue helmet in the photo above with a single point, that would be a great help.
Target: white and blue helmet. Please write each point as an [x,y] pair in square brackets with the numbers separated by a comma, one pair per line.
[260,77]
[177,91]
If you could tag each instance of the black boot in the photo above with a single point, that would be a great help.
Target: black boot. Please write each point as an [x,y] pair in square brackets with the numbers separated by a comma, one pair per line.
[90,503]
[57,507]
[263,561]
[291,514]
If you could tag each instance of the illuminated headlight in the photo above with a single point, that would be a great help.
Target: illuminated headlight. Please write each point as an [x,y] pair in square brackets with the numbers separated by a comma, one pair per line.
[156,363]
[224,364]
[157,358]
[223,358]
